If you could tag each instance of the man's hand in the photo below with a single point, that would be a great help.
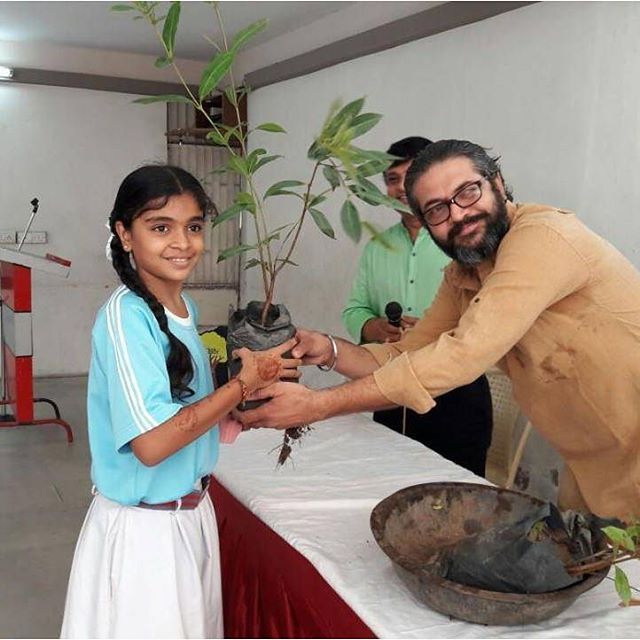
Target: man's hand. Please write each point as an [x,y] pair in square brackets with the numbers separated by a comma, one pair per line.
[406,322]
[291,405]
[313,348]
[379,330]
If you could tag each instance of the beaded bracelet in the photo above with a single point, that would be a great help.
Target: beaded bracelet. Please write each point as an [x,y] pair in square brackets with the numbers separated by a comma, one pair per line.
[334,347]
[244,389]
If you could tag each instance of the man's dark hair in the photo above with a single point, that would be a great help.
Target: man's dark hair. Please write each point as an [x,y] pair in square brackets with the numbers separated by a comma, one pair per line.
[442,150]
[407,149]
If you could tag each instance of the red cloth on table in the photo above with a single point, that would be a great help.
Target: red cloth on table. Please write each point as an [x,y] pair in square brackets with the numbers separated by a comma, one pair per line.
[269,589]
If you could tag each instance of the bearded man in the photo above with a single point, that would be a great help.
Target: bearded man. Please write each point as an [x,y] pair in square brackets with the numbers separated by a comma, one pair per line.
[531,289]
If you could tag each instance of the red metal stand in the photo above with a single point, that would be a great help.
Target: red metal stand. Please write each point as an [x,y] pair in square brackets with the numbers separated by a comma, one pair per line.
[16,339]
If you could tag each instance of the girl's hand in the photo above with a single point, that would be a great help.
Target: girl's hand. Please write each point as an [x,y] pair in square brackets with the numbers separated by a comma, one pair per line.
[262,368]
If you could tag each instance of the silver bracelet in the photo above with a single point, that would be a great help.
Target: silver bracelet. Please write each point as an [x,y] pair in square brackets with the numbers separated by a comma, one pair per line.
[332,366]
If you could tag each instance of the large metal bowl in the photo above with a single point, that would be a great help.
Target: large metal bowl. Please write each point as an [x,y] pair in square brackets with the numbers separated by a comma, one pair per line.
[412,525]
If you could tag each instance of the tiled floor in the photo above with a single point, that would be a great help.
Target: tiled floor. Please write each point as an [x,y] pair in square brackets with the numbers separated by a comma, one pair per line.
[45,490]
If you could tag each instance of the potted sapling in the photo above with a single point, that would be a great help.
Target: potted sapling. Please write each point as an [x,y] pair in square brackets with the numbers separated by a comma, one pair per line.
[336,164]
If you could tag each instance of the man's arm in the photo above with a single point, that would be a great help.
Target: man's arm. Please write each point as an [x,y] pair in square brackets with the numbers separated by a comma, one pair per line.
[536,268]
[294,404]
[351,360]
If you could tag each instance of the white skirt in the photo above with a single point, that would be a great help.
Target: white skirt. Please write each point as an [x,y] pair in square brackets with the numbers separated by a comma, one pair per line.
[141,573]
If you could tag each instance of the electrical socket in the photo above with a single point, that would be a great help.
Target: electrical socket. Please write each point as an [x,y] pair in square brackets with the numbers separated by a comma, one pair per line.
[33,237]
[7,237]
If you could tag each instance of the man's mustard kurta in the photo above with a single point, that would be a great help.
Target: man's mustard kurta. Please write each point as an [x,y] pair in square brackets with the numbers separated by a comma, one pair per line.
[558,308]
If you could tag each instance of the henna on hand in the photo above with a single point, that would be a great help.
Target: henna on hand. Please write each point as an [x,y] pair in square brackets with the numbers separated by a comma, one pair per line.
[268,368]
[186,419]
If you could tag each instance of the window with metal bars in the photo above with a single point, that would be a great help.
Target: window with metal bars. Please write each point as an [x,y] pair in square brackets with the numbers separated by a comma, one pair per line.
[202,160]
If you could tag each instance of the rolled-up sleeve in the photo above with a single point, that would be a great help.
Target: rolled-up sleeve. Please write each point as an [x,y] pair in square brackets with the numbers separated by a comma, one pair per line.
[535,267]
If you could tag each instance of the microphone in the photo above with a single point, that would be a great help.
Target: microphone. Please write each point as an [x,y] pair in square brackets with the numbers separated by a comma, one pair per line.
[393,311]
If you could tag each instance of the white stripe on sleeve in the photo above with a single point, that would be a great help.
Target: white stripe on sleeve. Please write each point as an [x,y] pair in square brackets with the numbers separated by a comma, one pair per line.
[143,419]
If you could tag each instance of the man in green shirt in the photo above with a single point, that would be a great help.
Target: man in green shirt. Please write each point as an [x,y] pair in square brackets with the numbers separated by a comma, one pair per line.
[409,271]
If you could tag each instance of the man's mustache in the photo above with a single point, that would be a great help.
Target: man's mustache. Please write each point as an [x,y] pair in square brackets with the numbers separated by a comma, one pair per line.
[457,228]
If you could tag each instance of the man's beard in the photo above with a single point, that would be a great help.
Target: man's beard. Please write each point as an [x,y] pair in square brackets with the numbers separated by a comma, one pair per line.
[496,227]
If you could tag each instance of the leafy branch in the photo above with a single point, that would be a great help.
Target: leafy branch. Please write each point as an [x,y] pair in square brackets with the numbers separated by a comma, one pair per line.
[624,544]
[344,166]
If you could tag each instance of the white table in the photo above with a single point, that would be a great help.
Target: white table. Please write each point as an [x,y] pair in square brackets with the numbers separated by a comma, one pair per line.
[320,504]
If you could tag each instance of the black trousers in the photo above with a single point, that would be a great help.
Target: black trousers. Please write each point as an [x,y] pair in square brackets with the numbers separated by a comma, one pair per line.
[458,427]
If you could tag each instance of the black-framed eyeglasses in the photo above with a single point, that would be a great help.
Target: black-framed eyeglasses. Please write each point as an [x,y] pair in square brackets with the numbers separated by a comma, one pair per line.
[441,211]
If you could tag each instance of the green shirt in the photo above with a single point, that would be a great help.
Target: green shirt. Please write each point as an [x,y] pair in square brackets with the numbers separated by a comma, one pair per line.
[406,273]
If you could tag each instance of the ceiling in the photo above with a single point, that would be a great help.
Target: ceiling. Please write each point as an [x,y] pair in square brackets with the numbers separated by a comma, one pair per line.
[92,25]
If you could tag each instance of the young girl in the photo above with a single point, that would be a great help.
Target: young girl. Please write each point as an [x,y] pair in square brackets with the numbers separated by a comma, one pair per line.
[147,562]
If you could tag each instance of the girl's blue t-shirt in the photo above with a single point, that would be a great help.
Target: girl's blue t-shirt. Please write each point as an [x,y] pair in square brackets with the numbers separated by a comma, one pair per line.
[129,394]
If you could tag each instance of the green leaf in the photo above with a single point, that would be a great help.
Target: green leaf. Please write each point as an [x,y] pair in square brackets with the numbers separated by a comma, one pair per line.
[229,132]
[316,200]
[332,176]
[323,224]
[269,239]
[228,214]
[377,235]
[271,127]
[278,188]
[245,199]
[367,185]
[375,198]
[253,157]
[165,98]
[372,168]
[351,220]
[239,165]
[214,72]
[265,160]
[366,154]
[231,95]
[622,586]
[244,35]
[634,532]
[344,116]
[122,7]
[253,262]
[317,151]
[363,123]
[170,27]
[620,537]
[234,251]
[216,137]
[161,62]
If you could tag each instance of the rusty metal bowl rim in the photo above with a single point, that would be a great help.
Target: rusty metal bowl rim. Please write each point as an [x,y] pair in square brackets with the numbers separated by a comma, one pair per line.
[384,507]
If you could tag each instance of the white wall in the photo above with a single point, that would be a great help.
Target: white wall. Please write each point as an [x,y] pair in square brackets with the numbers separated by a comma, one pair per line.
[552,87]
[52,57]
[70,148]
[349,20]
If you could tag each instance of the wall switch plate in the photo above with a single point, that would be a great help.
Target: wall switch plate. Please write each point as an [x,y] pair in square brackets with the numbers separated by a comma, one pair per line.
[7,237]
[33,237]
